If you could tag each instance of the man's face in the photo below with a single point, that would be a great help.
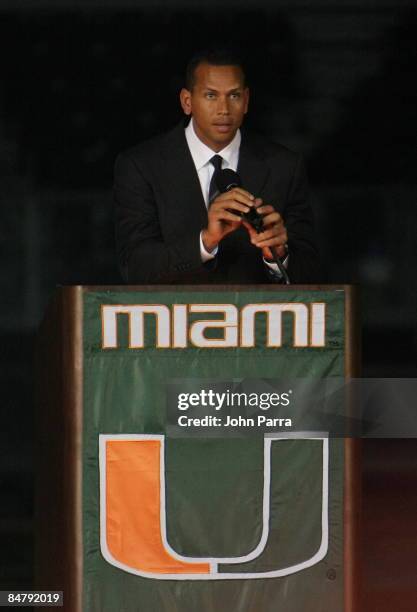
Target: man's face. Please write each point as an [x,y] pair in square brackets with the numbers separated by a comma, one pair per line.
[218,103]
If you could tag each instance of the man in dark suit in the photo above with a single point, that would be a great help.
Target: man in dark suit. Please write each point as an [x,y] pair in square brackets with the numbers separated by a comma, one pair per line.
[172,225]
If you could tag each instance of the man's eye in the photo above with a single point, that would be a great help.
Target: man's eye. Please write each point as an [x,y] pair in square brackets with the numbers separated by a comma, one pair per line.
[235,96]
[210,96]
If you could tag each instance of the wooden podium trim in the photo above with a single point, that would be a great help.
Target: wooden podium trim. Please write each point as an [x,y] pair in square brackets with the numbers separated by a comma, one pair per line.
[73,304]
[352,486]
[58,513]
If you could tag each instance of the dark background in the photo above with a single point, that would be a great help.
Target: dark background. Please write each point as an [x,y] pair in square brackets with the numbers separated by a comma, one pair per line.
[334,80]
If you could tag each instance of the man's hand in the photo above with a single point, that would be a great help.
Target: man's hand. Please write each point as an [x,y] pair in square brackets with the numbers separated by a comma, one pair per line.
[223,216]
[274,233]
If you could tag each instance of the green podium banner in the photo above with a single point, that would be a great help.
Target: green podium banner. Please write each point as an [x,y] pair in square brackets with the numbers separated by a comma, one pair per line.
[216,523]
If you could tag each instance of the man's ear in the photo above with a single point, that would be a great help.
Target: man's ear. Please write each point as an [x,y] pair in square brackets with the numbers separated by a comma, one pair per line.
[185,99]
[246,96]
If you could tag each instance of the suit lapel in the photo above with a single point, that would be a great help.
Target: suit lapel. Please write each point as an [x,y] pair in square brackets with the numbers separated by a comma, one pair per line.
[182,180]
[252,167]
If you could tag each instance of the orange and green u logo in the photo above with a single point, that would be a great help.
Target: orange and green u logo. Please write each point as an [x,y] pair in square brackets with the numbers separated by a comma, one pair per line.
[133,533]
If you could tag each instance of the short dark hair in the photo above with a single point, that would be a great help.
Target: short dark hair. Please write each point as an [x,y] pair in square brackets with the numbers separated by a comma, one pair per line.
[215,56]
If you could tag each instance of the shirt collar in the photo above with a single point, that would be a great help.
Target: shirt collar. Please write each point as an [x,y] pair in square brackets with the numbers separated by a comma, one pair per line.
[202,154]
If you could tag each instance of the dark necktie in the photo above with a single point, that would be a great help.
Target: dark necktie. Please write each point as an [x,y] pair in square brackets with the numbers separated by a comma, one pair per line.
[216,161]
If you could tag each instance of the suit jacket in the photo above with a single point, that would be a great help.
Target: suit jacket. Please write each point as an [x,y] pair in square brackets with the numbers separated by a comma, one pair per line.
[160,212]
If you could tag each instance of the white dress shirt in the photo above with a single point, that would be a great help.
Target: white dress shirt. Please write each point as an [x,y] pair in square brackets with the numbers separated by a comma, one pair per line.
[201,155]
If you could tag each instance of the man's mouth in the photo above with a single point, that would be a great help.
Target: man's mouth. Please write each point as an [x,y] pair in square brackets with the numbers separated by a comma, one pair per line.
[223,127]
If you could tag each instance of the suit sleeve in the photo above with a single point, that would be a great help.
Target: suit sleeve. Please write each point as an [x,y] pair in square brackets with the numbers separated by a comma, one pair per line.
[304,263]
[144,256]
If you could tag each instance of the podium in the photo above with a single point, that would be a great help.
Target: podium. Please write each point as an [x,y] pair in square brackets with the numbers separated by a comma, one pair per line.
[131,516]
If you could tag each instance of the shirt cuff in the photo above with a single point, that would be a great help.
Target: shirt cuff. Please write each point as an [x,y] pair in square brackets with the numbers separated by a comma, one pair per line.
[205,255]
[273,266]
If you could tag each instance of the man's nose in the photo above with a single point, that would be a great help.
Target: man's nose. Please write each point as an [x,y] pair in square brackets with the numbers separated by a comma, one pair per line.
[223,105]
